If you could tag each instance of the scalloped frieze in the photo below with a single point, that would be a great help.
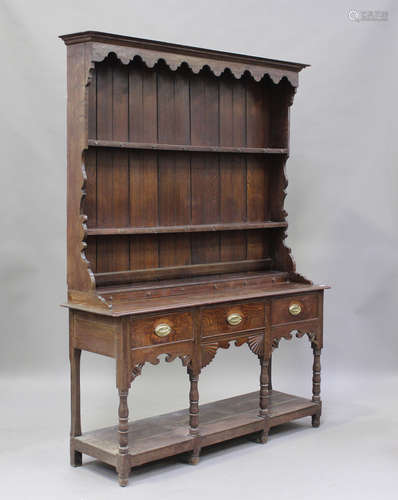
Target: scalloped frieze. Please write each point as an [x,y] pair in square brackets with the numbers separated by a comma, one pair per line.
[173,60]
[136,371]
[313,336]
[185,359]
[209,351]
[254,342]
[153,359]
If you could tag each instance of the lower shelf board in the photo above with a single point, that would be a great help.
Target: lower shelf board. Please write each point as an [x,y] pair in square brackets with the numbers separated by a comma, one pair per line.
[166,435]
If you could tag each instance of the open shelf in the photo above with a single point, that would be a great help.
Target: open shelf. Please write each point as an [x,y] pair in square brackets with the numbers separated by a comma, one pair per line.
[166,435]
[185,284]
[160,273]
[154,146]
[137,299]
[194,228]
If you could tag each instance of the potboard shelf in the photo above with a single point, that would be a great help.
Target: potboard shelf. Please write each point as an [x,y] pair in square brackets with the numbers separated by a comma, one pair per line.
[165,435]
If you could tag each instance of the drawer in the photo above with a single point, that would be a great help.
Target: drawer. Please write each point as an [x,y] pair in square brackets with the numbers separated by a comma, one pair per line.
[232,318]
[294,308]
[161,329]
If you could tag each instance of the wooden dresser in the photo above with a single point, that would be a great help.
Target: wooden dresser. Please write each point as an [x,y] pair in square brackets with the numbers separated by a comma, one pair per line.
[176,229]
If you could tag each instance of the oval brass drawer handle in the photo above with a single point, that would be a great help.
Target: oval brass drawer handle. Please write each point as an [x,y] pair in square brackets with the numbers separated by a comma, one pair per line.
[234,319]
[162,330]
[295,309]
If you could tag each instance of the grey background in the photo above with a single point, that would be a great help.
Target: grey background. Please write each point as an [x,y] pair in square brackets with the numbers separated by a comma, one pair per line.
[342,201]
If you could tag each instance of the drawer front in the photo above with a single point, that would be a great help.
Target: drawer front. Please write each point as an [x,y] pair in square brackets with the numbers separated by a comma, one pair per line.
[295,308]
[232,318]
[155,330]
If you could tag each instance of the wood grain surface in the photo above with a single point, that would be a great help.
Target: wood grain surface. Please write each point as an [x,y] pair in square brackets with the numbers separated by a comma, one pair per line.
[166,435]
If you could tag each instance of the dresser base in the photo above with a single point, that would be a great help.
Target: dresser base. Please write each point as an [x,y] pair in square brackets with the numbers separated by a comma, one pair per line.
[166,435]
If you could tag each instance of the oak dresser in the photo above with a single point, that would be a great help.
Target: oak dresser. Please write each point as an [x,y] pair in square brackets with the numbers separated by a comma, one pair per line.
[175,237]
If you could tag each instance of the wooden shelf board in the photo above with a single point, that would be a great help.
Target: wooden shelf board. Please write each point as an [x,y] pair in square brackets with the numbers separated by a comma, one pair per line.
[185,147]
[219,421]
[124,301]
[113,278]
[201,228]
[125,306]
[218,279]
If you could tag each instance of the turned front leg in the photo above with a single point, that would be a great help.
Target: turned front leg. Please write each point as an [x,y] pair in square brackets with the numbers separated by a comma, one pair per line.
[194,414]
[270,373]
[264,397]
[123,463]
[316,385]
[76,429]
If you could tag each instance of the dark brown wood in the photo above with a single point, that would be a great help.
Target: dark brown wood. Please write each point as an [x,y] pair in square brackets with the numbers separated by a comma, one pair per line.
[270,373]
[143,329]
[193,403]
[200,228]
[78,274]
[205,283]
[264,397]
[123,370]
[179,147]
[316,344]
[123,467]
[176,188]
[76,430]
[166,49]
[112,278]
[167,434]
[176,235]
[316,384]
[306,327]
[132,305]
[280,308]
[151,354]
[95,334]
[214,319]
